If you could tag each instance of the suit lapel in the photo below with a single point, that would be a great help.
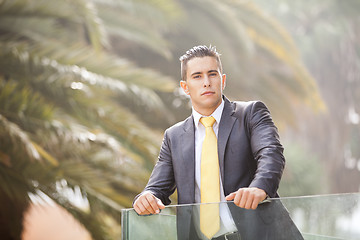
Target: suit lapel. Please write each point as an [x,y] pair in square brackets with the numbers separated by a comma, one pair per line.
[188,150]
[226,124]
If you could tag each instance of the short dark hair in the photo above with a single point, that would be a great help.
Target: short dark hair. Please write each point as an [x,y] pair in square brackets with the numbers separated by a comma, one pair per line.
[198,51]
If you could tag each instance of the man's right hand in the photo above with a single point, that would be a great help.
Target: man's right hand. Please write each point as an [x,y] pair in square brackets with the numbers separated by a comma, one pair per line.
[147,204]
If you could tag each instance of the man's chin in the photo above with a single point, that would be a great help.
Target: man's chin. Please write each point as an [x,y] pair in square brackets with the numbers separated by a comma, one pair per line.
[210,105]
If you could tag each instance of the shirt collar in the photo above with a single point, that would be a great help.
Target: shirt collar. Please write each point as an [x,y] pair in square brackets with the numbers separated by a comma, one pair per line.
[216,114]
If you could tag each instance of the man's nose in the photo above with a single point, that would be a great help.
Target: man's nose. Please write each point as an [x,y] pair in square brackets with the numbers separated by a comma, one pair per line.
[206,81]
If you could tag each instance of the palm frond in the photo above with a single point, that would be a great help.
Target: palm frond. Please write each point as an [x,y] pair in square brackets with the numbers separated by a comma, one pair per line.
[16,142]
[143,22]
[20,102]
[65,77]
[55,16]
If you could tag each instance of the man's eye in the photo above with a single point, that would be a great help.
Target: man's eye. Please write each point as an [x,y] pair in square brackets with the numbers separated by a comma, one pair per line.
[213,74]
[197,76]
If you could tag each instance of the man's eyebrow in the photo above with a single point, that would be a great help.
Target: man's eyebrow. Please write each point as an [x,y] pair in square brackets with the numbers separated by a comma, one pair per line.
[195,73]
[211,71]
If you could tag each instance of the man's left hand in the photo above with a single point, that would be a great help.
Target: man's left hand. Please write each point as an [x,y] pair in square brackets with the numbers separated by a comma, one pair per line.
[248,198]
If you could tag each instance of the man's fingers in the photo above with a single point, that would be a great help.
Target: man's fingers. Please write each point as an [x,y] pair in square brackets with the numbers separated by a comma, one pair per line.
[147,203]
[137,209]
[244,198]
[249,201]
[238,197]
[257,199]
[142,206]
[144,201]
[153,206]
[231,196]
[160,204]
[249,198]
[255,203]
[140,209]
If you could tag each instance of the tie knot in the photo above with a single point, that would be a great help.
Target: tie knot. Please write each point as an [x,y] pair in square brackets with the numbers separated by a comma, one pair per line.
[207,121]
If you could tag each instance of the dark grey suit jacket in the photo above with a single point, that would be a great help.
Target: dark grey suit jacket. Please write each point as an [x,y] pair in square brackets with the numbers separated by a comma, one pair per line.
[250,154]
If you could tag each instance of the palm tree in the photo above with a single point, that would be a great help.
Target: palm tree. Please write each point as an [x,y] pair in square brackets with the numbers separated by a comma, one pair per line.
[62,124]
[259,56]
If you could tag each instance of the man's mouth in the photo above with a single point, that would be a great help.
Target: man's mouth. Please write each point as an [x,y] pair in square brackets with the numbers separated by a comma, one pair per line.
[207,93]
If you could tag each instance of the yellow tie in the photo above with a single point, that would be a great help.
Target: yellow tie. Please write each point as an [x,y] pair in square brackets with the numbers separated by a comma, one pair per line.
[209,185]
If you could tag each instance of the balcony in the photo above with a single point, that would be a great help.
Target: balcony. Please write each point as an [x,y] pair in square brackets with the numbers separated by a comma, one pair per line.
[312,217]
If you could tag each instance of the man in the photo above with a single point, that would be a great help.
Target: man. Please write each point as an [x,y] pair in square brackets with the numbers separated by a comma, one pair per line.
[248,156]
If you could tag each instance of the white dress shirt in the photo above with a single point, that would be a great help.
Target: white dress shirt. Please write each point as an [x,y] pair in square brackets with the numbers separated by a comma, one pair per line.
[226,222]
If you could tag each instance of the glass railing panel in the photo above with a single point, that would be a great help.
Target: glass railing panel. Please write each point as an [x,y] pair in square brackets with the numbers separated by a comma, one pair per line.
[314,217]
[327,216]
[159,226]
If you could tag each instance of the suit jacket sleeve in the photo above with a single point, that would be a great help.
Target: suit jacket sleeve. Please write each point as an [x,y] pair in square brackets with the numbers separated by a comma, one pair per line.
[266,149]
[161,182]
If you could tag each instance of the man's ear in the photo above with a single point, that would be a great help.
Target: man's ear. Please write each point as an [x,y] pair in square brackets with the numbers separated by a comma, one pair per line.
[223,81]
[184,86]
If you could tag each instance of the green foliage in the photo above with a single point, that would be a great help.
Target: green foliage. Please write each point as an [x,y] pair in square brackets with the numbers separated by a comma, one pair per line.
[62,118]
[258,55]
[327,34]
[304,173]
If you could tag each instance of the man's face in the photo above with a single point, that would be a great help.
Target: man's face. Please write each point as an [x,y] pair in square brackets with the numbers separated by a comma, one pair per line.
[204,84]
